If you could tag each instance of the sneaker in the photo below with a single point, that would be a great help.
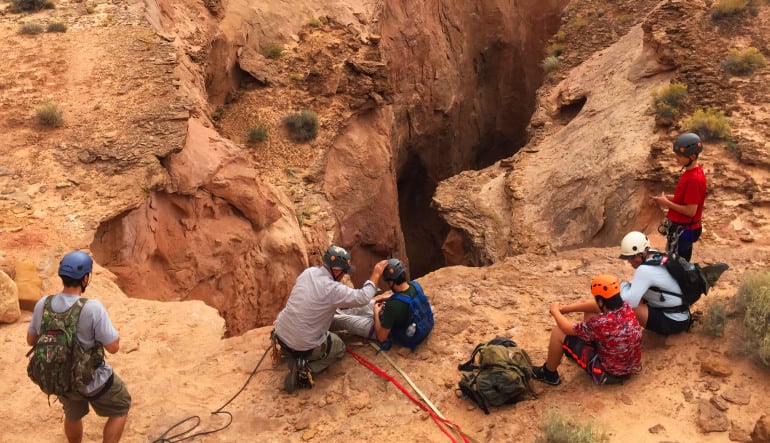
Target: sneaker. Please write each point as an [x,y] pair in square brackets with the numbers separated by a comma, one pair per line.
[713,272]
[292,378]
[304,374]
[542,374]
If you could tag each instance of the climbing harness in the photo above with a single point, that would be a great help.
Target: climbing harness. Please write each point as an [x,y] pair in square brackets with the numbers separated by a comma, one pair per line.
[672,231]
[425,404]
[182,435]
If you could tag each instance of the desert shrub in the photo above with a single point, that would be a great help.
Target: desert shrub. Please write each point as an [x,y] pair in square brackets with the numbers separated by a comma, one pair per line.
[29,5]
[218,114]
[31,28]
[726,8]
[560,37]
[555,49]
[559,429]
[314,23]
[710,124]
[754,300]
[666,101]
[272,51]
[715,319]
[550,64]
[744,62]
[56,27]
[302,126]
[49,115]
[257,134]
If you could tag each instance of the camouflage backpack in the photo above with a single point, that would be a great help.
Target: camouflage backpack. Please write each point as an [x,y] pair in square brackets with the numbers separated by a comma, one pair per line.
[502,375]
[58,363]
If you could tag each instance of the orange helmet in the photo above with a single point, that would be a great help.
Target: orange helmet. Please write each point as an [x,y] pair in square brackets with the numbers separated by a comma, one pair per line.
[605,286]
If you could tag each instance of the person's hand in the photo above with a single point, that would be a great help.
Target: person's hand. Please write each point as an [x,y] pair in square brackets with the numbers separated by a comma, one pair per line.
[377,308]
[554,308]
[661,199]
[377,270]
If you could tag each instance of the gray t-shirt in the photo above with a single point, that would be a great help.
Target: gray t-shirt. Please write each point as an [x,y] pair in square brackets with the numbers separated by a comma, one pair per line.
[94,326]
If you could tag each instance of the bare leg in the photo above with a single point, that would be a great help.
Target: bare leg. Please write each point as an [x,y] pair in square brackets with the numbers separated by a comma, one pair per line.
[73,430]
[113,429]
[555,351]
[642,312]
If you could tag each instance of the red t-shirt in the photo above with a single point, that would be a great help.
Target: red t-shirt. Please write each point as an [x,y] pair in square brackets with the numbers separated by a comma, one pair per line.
[690,190]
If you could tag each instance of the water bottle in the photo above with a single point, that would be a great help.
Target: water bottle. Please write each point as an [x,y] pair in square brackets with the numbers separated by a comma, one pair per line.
[411,329]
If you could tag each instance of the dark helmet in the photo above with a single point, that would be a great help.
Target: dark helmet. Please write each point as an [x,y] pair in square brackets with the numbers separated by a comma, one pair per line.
[688,144]
[394,271]
[337,258]
[75,265]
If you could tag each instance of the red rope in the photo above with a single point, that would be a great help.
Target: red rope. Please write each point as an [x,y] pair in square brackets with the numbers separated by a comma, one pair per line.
[439,420]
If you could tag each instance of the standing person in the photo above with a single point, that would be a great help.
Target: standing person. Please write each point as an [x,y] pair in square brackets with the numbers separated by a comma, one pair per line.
[685,206]
[607,344]
[390,315]
[649,291]
[302,327]
[105,393]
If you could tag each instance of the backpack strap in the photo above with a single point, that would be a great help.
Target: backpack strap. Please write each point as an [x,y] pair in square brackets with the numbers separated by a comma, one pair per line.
[470,364]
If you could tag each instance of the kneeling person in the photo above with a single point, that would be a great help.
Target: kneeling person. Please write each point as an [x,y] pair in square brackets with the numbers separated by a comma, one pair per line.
[404,316]
[608,343]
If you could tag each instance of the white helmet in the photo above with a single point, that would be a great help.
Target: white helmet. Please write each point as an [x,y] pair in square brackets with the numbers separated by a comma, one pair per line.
[632,244]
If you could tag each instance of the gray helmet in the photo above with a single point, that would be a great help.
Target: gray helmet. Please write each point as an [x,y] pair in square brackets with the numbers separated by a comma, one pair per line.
[75,265]
[394,271]
[688,144]
[337,258]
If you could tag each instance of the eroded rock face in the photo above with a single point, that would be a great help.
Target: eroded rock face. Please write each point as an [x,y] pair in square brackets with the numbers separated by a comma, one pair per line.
[545,184]
[9,299]
[217,234]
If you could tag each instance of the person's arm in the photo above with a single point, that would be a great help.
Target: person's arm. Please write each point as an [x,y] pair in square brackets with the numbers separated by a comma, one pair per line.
[561,321]
[113,347]
[667,201]
[380,332]
[583,306]
[31,338]
[633,291]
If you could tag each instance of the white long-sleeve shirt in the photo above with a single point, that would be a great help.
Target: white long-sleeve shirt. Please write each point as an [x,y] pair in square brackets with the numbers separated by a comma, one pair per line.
[304,323]
[653,276]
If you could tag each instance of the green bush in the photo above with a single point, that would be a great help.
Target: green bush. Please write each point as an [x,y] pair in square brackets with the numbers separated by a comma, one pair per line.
[314,23]
[710,124]
[90,9]
[754,299]
[257,134]
[272,51]
[666,101]
[560,37]
[715,319]
[560,429]
[30,5]
[555,49]
[727,8]
[56,27]
[31,28]
[550,64]
[49,115]
[302,126]
[744,62]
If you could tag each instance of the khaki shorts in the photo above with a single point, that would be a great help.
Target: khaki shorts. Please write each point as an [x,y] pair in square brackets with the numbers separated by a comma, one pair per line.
[114,402]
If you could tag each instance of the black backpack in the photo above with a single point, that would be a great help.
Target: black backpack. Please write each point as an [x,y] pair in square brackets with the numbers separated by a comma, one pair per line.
[693,280]
[502,375]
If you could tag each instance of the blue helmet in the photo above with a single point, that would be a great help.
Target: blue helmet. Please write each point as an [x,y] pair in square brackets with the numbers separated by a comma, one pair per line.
[76,265]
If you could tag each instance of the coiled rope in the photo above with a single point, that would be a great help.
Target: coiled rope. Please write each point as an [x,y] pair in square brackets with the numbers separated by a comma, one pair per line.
[182,435]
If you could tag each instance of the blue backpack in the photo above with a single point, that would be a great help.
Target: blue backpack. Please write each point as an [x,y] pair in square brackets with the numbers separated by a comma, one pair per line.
[420,320]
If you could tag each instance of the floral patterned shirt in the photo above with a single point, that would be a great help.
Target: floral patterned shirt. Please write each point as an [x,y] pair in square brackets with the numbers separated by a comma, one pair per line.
[618,340]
